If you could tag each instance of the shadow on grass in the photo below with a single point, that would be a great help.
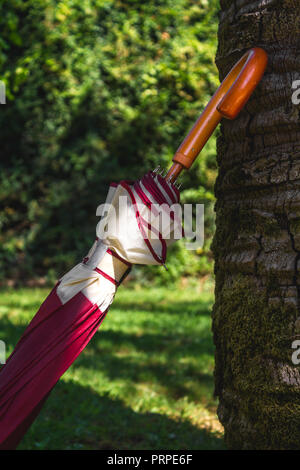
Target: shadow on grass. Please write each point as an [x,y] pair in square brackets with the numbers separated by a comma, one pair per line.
[178,373]
[170,359]
[194,308]
[75,417]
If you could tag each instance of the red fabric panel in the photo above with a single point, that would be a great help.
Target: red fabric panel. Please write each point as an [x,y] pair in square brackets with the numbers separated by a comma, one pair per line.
[50,344]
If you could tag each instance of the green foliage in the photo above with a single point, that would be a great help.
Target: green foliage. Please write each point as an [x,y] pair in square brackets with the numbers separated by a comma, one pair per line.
[97,90]
[145,381]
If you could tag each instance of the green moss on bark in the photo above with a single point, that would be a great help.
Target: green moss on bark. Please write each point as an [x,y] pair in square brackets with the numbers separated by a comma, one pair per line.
[252,338]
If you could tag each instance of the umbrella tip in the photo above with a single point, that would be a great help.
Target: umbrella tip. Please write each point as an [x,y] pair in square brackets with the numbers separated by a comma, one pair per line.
[160,171]
[174,183]
[163,173]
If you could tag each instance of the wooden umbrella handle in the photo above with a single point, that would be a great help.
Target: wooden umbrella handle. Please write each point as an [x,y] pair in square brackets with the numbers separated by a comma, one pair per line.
[228,100]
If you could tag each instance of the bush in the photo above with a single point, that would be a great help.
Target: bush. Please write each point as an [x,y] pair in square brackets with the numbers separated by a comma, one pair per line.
[97,90]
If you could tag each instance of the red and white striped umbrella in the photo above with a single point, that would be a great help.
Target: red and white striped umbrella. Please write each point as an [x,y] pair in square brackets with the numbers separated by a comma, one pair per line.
[77,305]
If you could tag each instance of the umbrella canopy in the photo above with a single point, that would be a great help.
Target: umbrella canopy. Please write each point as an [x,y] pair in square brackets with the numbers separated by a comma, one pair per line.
[77,305]
[79,302]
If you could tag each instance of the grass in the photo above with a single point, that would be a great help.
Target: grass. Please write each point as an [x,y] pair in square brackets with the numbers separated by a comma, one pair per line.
[145,381]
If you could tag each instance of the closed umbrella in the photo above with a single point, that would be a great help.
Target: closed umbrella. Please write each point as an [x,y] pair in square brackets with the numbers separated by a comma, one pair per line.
[128,233]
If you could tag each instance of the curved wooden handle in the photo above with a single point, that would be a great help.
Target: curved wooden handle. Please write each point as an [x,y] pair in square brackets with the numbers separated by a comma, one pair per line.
[228,100]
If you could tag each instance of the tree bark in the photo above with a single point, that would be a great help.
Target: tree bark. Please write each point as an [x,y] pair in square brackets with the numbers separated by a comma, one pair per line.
[256,316]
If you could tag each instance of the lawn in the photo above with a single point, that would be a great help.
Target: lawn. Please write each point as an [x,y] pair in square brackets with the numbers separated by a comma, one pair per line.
[144,382]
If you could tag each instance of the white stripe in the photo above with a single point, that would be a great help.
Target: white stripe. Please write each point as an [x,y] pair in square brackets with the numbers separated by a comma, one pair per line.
[173,192]
[167,197]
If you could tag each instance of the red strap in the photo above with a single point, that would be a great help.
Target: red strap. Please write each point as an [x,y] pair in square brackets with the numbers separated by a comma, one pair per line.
[109,278]
[113,253]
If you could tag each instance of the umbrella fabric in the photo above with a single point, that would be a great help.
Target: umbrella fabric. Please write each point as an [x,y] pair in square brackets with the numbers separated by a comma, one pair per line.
[77,305]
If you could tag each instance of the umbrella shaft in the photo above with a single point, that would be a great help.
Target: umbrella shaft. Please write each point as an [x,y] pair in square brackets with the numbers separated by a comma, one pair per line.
[174,172]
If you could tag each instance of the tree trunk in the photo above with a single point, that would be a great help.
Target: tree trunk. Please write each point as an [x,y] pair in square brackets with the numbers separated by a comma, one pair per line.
[256,315]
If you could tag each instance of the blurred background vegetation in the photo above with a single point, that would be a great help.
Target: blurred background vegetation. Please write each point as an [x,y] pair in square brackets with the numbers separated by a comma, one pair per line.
[97,90]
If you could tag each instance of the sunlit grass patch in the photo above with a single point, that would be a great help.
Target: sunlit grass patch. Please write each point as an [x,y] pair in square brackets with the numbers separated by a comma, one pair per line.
[145,381]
